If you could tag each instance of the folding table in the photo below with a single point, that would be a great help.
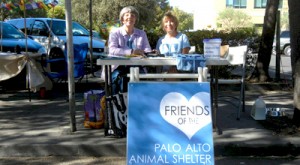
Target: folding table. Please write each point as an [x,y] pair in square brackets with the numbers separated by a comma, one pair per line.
[214,63]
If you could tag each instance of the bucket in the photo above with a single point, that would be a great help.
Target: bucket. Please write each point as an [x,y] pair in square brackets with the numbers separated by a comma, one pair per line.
[258,111]
[212,48]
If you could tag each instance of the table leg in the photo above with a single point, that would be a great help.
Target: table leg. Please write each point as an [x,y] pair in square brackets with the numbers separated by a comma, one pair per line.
[110,80]
[109,131]
[212,97]
[106,80]
[215,93]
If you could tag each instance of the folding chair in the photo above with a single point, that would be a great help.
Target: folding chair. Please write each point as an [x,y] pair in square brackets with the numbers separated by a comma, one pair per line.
[80,54]
[236,57]
[56,68]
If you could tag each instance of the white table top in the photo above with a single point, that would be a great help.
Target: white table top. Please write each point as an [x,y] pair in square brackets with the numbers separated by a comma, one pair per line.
[153,61]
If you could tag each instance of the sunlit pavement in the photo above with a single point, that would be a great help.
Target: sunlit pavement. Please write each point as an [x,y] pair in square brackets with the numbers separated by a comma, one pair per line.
[41,128]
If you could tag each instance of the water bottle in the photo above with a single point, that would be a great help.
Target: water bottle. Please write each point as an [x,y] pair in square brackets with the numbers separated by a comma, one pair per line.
[258,111]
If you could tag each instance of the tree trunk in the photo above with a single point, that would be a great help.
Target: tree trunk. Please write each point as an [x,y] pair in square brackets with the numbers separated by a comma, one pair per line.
[294,17]
[261,72]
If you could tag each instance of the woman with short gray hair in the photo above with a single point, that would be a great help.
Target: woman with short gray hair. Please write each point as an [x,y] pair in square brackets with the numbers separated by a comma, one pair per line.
[127,40]
[129,9]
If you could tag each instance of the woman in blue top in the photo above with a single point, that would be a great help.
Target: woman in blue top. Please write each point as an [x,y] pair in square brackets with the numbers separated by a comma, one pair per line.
[173,42]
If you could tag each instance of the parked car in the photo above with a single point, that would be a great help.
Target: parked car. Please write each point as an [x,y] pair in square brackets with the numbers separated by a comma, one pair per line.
[44,29]
[96,34]
[13,40]
[285,47]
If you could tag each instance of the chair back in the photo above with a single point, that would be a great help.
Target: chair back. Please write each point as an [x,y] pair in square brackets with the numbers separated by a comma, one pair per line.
[61,73]
[54,66]
[80,53]
[237,55]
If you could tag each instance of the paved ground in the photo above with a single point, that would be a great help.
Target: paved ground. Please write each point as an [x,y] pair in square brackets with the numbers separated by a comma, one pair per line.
[41,128]
[80,160]
[46,121]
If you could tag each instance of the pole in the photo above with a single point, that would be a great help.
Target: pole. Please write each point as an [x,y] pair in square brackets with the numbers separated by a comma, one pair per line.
[70,53]
[1,37]
[91,37]
[26,53]
[278,53]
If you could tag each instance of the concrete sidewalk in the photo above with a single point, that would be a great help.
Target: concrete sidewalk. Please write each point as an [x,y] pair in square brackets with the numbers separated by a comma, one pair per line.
[42,128]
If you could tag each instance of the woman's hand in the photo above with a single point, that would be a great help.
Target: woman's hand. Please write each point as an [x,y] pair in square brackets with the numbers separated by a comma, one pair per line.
[154,52]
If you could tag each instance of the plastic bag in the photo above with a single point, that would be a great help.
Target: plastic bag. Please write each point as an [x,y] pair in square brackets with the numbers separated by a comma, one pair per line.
[116,117]
[94,106]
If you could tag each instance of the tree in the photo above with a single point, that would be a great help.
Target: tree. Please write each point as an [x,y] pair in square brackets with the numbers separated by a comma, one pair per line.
[231,19]
[56,12]
[161,8]
[154,27]
[104,11]
[284,20]
[294,16]
[261,72]
[185,20]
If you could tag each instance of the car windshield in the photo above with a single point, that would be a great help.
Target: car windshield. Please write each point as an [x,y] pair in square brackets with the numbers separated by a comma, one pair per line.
[9,31]
[59,28]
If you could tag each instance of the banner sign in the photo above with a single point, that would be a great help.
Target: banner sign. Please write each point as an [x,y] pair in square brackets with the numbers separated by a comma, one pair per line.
[169,123]
[29,5]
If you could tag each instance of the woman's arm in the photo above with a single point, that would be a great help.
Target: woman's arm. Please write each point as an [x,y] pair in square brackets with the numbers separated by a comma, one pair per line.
[146,44]
[186,44]
[116,45]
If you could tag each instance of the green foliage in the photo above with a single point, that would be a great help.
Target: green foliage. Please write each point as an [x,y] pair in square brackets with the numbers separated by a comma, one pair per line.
[36,13]
[232,19]
[105,14]
[154,29]
[161,8]
[17,13]
[153,37]
[284,21]
[105,11]
[56,12]
[185,19]
[196,37]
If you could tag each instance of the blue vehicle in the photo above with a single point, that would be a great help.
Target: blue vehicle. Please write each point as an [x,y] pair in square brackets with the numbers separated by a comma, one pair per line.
[13,40]
[51,33]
